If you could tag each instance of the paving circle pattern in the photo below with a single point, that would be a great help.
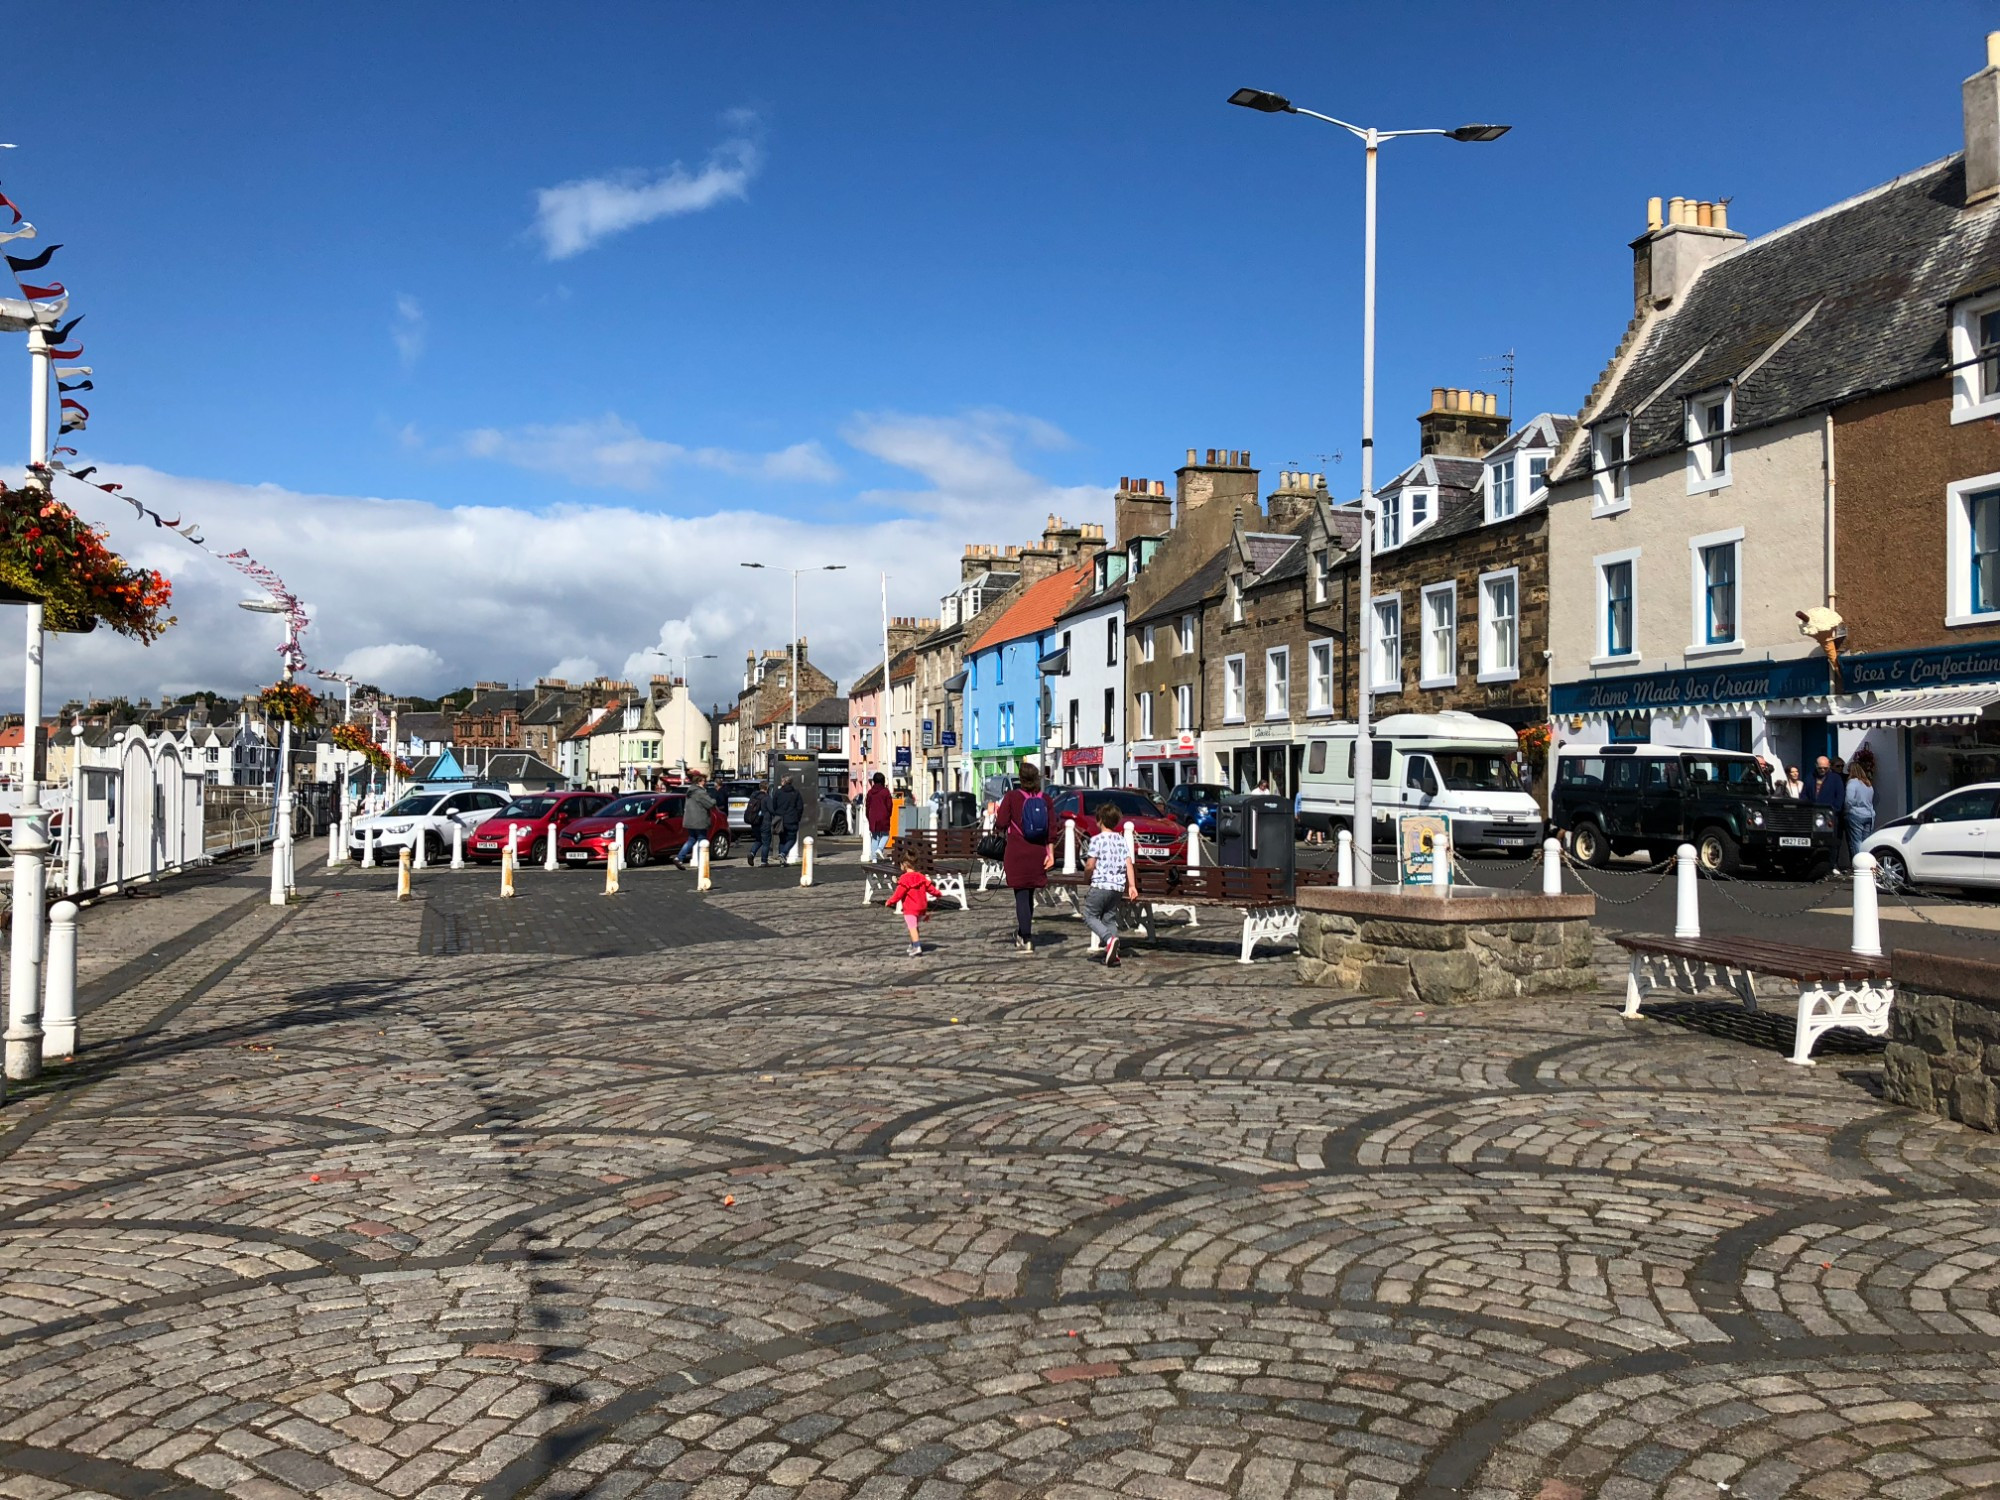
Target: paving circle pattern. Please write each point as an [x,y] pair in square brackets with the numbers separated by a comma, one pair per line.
[764,1208]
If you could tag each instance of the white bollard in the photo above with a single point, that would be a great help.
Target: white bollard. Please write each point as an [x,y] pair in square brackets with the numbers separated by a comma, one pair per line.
[1867,911]
[806,863]
[507,869]
[1131,843]
[418,843]
[701,858]
[457,845]
[549,849]
[611,871]
[618,847]
[333,849]
[1441,861]
[1343,858]
[1552,867]
[403,874]
[59,994]
[1069,846]
[1687,913]
[514,844]
[1194,847]
[368,848]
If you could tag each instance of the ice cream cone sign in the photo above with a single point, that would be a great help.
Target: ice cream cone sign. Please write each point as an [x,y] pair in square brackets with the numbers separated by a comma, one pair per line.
[1826,627]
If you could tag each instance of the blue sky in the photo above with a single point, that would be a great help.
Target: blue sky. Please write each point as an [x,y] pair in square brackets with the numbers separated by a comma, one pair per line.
[915,273]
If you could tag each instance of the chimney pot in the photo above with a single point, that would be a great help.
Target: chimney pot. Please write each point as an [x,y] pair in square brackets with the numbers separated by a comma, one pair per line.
[1704,214]
[1721,215]
[1674,207]
[1211,455]
[1437,397]
[1652,214]
[1190,455]
[1993,49]
[1125,483]
[1159,486]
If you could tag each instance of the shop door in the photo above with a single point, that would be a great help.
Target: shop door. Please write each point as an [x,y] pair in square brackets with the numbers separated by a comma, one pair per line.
[1815,740]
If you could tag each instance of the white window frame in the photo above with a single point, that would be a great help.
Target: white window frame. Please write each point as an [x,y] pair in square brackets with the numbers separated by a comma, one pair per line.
[1959,607]
[1319,686]
[1183,707]
[1427,675]
[1145,643]
[1611,468]
[1968,401]
[1390,509]
[1235,689]
[1185,635]
[1502,472]
[1601,631]
[1488,672]
[1706,471]
[1537,491]
[1419,496]
[1379,681]
[1698,641]
[1235,601]
[1145,716]
[1322,573]
[1278,682]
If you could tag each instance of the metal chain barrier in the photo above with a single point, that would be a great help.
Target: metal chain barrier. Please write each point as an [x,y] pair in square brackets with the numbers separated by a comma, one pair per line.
[1665,869]
[1901,898]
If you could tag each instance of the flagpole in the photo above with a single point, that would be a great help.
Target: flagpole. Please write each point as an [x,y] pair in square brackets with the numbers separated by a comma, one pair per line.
[24,965]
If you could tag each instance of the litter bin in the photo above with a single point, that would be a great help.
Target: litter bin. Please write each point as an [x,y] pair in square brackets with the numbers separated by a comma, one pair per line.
[1256,829]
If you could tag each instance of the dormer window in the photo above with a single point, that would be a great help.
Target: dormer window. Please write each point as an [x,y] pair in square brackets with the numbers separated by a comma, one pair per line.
[1611,454]
[1420,509]
[1538,476]
[1500,489]
[1322,574]
[1708,422]
[1236,601]
[1975,359]
[1390,531]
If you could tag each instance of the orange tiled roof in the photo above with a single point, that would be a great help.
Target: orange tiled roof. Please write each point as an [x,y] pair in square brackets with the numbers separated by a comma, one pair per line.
[1036,609]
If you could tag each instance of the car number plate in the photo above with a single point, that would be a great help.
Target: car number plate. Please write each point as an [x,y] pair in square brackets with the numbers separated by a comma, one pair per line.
[1508,839]
[577,854]
[1792,842]
[487,844]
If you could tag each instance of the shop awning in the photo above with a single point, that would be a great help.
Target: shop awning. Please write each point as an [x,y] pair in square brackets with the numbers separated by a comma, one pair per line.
[1913,706]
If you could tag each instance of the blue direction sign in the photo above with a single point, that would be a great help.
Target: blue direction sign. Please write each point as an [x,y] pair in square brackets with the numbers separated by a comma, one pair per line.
[902,755]
[949,738]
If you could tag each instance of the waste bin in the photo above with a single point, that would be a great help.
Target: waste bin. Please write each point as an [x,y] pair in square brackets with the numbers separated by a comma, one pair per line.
[1255,829]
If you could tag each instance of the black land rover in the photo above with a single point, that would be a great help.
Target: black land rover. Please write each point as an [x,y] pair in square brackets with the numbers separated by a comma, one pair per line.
[1614,799]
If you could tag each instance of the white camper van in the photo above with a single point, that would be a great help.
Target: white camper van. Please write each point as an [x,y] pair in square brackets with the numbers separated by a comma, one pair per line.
[1454,765]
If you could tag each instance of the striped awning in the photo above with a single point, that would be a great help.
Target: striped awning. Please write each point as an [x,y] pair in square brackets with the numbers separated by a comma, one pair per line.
[1915,706]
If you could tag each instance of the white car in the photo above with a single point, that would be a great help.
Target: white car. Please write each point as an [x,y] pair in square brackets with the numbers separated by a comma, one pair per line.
[428,816]
[1954,840]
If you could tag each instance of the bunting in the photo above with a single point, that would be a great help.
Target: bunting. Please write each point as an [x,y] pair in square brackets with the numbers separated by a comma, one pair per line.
[22,263]
[42,293]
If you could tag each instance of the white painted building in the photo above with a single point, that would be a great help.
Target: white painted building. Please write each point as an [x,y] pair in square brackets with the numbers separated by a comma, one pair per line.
[1087,697]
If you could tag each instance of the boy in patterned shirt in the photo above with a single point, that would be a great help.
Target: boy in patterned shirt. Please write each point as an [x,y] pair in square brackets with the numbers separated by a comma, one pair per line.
[1108,864]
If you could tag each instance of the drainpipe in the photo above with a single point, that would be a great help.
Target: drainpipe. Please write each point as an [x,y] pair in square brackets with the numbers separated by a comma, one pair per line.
[1831,592]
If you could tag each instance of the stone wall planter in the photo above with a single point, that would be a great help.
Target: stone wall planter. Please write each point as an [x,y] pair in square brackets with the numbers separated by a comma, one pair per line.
[1944,1037]
[1474,944]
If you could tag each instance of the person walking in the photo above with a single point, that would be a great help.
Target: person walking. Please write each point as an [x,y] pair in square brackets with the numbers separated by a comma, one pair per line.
[1112,880]
[1026,817]
[1860,808]
[697,812]
[912,896]
[1828,789]
[788,807]
[880,807]
[757,816]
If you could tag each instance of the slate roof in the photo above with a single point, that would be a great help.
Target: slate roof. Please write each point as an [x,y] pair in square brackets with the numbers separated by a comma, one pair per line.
[1038,607]
[1266,547]
[1085,600]
[517,765]
[828,711]
[424,726]
[901,669]
[1546,430]
[1871,278]
[1203,584]
[500,701]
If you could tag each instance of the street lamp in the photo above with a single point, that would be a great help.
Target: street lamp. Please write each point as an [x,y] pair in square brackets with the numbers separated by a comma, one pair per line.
[683,658]
[1265,102]
[822,568]
[281,841]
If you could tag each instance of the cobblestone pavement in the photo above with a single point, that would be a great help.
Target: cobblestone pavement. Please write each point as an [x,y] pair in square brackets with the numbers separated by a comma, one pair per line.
[725,1198]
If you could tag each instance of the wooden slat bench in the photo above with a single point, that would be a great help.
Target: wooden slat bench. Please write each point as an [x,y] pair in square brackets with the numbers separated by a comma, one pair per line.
[1835,989]
[947,855]
[1265,901]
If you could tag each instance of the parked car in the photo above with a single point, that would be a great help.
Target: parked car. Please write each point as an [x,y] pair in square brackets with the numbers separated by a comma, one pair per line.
[1950,840]
[1613,799]
[529,820]
[735,796]
[428,816]
[653,829]
[1155,836]
[1193,803]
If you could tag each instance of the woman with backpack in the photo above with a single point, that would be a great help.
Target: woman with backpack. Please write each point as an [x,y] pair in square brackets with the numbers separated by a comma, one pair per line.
[1025,817]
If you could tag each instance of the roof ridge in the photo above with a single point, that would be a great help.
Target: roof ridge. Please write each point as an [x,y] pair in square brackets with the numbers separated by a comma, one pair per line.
[1942,164]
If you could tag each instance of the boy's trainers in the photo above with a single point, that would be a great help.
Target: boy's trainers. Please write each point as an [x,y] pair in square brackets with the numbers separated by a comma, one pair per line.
[916,949]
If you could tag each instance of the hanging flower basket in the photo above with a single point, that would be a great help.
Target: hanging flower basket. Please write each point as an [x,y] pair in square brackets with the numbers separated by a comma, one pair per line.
[48,555]
[289,703]
[353,737]
[1535,740]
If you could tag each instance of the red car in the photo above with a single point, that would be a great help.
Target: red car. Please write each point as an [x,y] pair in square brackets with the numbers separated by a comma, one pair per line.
[653,830]
[535,815]
[1155,836]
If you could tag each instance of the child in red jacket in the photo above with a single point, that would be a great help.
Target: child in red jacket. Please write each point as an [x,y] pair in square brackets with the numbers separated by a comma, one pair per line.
[912,896]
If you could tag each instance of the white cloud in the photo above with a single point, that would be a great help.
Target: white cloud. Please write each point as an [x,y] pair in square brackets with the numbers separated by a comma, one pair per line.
[423,598]
[572,217]
[611,452]
[409,330]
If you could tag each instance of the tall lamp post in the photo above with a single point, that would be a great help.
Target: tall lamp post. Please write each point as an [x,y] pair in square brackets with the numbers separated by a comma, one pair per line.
[683,657]
[281,843]
[1364,753]
[822,568]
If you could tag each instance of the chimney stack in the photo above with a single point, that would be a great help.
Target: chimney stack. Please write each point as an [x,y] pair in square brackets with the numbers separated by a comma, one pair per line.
[1982,127]
[1678,244]
[1141,508]
[1460,423]
[1227,476]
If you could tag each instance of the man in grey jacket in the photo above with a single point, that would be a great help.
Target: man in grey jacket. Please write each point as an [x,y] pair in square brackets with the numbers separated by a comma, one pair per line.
[696,814]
